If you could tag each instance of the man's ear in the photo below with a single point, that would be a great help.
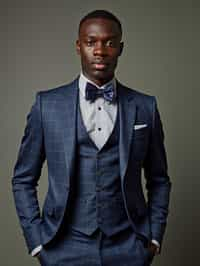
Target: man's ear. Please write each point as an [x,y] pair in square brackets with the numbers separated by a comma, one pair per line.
[121,48]
[78,47]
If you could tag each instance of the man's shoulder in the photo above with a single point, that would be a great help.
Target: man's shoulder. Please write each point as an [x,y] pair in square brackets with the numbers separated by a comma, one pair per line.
[59,90]
[138,94]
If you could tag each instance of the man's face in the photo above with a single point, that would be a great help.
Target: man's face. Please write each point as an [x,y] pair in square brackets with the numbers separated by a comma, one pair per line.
[99,47]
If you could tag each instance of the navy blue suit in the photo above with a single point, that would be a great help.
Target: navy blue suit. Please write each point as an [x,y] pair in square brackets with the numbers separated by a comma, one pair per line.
[51,134]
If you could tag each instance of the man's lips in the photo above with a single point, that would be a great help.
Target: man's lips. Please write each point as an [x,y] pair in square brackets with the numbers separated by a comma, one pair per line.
[100,65]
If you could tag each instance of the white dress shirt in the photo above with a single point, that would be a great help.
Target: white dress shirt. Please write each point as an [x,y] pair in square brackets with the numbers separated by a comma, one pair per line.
[99,116]
[99,120]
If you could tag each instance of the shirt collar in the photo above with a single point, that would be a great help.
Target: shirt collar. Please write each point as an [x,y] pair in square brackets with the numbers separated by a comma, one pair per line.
[83,81]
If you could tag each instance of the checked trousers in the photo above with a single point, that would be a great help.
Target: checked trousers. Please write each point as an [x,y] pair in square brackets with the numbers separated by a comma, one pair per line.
[73,248]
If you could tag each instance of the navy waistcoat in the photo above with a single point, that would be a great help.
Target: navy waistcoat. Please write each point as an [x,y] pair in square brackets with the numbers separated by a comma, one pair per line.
[96,201]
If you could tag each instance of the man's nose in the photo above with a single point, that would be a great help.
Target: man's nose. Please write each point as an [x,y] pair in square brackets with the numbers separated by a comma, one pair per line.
[100,49]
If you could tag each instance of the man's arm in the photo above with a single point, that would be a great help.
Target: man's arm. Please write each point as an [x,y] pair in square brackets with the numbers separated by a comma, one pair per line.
[158,184]
[26,175]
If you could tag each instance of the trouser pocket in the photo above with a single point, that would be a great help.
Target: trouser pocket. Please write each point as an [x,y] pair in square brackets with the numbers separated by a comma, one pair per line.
[144,250]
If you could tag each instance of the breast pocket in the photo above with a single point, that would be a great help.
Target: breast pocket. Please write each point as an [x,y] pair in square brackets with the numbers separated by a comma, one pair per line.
[140,132]
[140,143]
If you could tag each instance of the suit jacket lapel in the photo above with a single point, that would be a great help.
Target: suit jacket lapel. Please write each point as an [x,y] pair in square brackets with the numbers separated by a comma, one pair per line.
[127,116]
[69,125]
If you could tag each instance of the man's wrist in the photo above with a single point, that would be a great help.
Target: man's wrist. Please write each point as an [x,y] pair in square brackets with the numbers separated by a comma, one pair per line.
[154,246]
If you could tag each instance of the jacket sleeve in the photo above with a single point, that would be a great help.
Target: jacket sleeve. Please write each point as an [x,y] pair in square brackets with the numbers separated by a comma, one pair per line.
[27,171]
[158,183]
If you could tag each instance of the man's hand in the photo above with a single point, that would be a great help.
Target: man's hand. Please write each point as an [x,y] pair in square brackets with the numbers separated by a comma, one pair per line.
[153,248]
[38,256]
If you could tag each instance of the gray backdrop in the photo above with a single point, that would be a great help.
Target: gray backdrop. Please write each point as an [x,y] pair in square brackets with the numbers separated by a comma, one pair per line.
[161,58]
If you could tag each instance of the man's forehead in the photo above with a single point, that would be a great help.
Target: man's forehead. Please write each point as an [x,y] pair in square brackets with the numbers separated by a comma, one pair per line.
[94,26]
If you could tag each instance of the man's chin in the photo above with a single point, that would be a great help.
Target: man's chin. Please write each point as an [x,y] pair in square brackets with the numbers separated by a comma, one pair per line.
[102,75]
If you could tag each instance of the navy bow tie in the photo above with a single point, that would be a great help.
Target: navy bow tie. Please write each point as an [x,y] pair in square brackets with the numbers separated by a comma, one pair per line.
[92,92]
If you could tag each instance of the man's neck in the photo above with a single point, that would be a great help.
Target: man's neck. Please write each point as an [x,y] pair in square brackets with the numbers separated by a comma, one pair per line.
[95,83]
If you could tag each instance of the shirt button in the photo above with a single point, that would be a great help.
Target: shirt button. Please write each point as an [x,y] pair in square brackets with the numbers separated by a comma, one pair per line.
[99,128]
[99,108]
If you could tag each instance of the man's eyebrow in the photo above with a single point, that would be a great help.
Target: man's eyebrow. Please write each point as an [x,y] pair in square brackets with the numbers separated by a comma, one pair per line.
[107,37]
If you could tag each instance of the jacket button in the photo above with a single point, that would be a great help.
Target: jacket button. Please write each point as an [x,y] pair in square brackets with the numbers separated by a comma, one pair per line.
[100,221]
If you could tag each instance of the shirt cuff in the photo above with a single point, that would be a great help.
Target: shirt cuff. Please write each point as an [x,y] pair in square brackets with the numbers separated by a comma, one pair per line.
[36,250]
[155,242]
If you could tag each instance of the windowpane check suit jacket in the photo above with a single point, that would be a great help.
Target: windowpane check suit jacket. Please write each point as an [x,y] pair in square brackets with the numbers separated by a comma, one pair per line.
[50,134]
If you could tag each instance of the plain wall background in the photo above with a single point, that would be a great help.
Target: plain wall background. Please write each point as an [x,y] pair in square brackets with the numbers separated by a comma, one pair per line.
[161,57]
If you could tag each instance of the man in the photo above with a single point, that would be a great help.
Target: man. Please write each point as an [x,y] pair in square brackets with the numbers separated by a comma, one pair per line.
[96,135]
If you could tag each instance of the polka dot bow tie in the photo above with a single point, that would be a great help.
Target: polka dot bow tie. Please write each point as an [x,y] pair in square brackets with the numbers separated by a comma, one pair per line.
[92,92]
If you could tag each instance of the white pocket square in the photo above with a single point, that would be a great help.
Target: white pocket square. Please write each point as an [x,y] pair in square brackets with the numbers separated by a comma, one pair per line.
[139,126]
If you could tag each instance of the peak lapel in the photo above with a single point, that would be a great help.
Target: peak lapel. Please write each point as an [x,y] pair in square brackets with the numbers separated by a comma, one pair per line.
[127,116]
[69,108]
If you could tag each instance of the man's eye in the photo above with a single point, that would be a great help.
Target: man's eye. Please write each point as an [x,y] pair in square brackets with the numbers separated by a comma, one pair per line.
[90,43]
[110,43]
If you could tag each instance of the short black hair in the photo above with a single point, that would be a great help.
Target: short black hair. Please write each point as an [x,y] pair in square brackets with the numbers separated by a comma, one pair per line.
[100,13]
